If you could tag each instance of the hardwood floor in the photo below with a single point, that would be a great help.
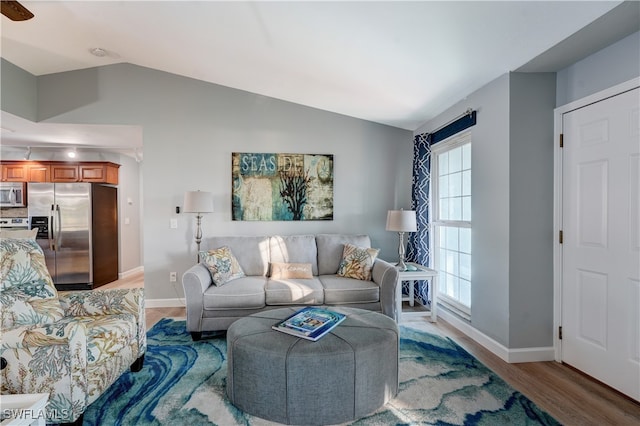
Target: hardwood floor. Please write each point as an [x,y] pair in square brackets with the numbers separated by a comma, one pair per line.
[570,396]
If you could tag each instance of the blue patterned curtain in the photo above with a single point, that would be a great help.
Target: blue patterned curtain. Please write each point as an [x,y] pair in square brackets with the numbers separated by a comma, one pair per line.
[418,244]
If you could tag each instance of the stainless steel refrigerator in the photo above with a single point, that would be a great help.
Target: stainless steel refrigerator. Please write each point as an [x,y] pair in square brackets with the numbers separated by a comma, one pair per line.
[77,230]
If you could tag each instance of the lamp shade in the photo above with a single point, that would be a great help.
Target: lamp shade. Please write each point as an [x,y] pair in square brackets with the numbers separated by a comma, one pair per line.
[198,202]
[401,221]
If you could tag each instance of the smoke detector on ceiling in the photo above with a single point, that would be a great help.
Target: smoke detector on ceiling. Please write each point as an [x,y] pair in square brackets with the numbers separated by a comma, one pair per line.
[98,51]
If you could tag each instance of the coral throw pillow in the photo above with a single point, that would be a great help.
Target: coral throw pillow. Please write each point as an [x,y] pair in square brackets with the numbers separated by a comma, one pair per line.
[222,265]
[357,262]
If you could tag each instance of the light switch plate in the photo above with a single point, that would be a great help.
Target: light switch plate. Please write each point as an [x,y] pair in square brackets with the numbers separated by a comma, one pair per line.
[173,224]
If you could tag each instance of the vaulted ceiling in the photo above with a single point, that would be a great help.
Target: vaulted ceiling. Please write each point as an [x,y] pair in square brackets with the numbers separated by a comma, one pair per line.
[391,62]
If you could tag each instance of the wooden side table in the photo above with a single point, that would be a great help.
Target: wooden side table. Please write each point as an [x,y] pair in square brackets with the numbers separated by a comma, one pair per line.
[24,409]
[421,273]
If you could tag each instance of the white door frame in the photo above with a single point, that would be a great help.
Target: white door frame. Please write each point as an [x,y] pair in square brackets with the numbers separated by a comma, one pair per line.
[557,197]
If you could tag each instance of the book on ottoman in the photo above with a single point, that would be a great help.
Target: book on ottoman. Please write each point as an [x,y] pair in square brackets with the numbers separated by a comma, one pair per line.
[310,323]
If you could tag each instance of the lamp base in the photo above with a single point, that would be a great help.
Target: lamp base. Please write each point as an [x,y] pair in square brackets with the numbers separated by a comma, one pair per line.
[198,235]
[401,266]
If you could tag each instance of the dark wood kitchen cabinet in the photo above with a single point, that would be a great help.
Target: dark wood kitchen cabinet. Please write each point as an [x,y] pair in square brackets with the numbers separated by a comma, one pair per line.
[38,173]
[64,173]
[99,172]
[14,173]
[26,172]
[60,171]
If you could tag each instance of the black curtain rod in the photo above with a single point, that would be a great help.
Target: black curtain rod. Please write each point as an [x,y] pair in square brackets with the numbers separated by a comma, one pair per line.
[468,112]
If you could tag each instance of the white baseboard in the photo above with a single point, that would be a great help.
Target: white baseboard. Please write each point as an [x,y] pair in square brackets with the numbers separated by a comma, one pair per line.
[508,355]
[135,270]
[164,303]
[545,353]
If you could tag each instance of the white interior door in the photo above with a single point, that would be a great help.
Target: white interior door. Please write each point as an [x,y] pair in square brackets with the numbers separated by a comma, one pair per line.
[601,248]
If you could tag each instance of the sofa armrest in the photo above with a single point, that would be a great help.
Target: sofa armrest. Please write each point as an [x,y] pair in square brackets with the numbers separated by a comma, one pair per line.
[34,336]
[109,302]
[386,276]
[50,358]
[194,282]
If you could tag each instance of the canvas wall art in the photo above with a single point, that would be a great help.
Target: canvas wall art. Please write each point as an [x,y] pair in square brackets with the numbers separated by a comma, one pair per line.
[269,186]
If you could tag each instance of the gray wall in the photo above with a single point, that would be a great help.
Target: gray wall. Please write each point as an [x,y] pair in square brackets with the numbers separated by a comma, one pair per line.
[512,214]
[130,208]
[615,64]
[489,204]
[512,163]
[190,128]
[19,91]
[531,104]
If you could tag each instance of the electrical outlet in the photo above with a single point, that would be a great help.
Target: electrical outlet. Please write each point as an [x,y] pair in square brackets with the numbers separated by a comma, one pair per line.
[173,277]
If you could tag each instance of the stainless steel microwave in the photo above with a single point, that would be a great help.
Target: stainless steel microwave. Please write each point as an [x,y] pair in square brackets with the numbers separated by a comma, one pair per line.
[12,194]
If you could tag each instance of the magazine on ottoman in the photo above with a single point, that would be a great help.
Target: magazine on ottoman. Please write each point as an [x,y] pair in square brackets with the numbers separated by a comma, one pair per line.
[310,323]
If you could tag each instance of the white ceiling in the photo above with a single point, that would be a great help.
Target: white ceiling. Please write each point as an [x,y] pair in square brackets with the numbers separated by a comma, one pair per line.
[391,62]
[48,137]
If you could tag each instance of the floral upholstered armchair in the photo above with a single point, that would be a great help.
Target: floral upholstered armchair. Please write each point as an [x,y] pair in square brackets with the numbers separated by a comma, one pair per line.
[71,345]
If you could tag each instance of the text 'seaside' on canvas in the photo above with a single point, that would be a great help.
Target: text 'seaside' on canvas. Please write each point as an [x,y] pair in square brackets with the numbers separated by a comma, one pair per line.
[269,186]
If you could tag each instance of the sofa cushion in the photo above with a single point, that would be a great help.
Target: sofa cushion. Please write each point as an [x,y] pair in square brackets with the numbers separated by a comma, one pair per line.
[28,294]
[294,249]
[339,290]
[281,270]
[222,265]
[243,293]
[331,248]
[294,291]
[252,252]
[357,262]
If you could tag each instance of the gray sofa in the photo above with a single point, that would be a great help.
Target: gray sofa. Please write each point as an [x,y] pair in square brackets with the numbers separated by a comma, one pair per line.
[213,308]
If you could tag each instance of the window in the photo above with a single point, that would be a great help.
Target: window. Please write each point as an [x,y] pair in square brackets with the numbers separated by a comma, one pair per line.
[451,179]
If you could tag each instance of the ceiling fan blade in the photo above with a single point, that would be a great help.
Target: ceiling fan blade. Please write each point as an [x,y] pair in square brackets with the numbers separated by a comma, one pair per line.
[15,11]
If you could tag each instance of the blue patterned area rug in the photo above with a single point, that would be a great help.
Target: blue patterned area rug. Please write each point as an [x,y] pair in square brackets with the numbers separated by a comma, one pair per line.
[183,383]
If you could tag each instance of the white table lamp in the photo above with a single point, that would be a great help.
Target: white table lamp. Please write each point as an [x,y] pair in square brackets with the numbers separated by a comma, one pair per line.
[198,202]
[401,221]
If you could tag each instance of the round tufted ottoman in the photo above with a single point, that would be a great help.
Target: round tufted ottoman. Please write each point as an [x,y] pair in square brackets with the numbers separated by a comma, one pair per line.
[347,374]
